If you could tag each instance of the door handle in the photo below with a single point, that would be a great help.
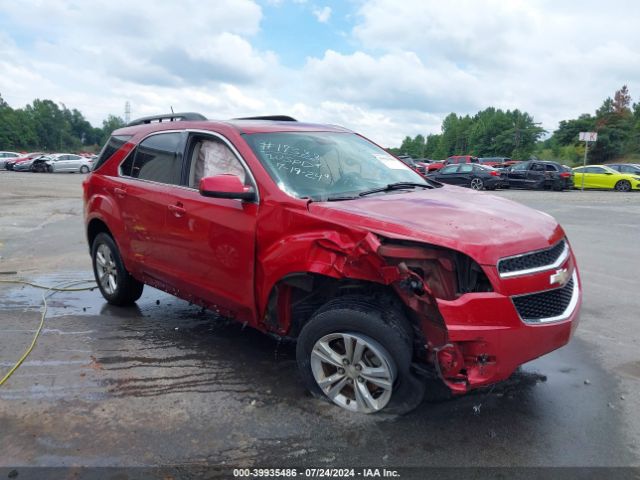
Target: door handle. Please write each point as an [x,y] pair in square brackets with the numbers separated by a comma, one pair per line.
[120,192]
[177,210]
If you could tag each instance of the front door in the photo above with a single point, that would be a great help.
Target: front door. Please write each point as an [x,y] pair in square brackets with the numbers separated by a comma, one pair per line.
[211,241]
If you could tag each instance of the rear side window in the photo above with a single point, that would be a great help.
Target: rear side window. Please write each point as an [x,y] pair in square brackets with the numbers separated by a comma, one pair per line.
[550,167]
[158,158]
[111,147]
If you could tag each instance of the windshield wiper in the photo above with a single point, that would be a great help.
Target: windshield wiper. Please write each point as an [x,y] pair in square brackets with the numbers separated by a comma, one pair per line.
[394,186]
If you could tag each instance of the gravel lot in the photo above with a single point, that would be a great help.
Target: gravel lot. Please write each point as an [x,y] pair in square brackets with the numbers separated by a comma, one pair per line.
[164,383]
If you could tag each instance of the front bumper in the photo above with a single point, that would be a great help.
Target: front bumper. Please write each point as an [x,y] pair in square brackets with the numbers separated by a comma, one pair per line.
[487,338]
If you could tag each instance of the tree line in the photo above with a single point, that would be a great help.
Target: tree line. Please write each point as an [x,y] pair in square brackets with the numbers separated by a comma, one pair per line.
[617,123]
[489,133]
[496,133]
[45,126]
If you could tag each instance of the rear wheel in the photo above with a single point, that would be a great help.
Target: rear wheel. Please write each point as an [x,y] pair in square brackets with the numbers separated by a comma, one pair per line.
[623,186]
[477,183]
[357,354]
[117,286]
[84,169]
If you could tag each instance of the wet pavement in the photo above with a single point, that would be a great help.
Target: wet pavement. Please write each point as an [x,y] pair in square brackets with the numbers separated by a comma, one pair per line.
[166,383]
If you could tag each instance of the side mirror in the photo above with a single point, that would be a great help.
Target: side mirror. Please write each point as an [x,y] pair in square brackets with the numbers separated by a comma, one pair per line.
[226,186]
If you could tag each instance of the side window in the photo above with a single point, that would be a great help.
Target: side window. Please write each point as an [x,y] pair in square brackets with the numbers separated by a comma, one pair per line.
[594,170]
[210,156]
[550,167]
[158,158]
[520,166]
[465,168]
[111,147]
[537,167]
[449,169]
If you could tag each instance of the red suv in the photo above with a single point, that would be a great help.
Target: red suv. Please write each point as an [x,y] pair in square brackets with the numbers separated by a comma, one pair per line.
[311,232]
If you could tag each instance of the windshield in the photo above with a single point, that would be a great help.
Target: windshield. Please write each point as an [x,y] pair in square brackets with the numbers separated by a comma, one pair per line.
[326,165]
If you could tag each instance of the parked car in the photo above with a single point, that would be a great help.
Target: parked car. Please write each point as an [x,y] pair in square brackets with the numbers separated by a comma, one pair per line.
[412,164]
[4,156]
[631,168]
[539,174]
[493,161]
[454,159]
[312,232]
[435,165]
[64,162]
[10,162]
[603,177]
[26,164]
[470,175]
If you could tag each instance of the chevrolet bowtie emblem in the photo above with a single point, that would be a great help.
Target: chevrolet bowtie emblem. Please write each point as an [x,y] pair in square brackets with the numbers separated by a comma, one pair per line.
[560,277]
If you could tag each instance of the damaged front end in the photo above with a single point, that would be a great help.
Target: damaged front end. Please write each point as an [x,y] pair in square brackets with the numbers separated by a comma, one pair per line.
[431,273]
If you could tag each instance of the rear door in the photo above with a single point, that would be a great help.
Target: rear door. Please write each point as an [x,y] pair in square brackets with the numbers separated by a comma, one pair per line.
[464,174]
[447,174]
[536,175]
[212,240]
[74,162]
[142,197]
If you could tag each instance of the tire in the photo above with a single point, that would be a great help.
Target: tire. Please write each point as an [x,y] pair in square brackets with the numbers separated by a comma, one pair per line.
[117,286]
[476,183]
[623,186]
[84,169]
[49,169]
[385,339]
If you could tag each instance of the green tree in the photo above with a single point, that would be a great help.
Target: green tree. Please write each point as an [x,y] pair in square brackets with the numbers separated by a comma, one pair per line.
[109,125]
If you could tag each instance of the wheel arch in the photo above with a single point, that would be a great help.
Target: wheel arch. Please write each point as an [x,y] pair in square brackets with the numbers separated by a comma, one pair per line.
[296,297]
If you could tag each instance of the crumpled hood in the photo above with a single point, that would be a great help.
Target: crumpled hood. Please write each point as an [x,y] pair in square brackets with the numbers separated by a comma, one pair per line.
[483,226]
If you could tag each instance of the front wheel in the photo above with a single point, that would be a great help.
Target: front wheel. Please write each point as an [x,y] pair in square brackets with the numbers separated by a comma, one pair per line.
[117,286]
[477,183]
[623,186]
[357,354]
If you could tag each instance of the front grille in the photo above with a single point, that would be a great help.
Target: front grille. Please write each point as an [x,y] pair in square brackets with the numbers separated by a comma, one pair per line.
[535,260]
[542,306]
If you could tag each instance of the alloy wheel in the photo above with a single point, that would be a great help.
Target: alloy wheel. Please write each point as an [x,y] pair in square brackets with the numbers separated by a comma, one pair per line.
[623,186]
[476,184]
[106,269]
[354,371]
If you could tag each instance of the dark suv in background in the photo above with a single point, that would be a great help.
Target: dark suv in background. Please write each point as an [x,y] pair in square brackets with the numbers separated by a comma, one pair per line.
[539,174]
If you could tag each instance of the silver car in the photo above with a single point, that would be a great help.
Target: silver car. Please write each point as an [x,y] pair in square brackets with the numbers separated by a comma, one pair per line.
[4,156]
[68,162]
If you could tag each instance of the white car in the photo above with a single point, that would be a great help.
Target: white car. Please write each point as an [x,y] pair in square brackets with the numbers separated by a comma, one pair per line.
[68,162]
[4,156]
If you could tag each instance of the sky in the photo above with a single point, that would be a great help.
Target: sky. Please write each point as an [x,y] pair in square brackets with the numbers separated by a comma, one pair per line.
[384,68]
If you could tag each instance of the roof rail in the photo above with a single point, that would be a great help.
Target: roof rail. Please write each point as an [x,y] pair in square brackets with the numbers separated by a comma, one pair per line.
[169,117]
[277,118]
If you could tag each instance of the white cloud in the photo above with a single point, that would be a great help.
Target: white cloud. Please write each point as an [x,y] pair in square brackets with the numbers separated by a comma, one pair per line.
[399,71]
[322,14]
[553,60]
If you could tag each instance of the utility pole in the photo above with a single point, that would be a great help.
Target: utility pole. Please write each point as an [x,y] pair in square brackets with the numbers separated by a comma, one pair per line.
[127,112]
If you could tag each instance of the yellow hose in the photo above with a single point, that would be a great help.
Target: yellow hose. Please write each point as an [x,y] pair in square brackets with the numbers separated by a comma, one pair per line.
[44,313]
